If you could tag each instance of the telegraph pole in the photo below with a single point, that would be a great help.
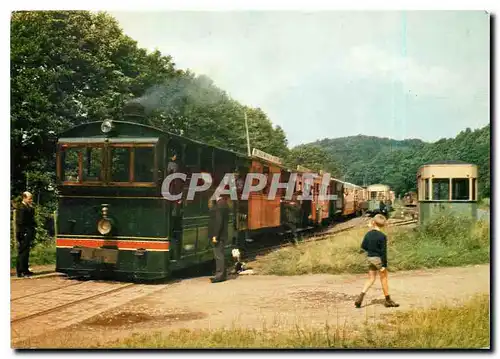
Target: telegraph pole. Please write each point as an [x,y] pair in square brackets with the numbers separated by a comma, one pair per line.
[248,136]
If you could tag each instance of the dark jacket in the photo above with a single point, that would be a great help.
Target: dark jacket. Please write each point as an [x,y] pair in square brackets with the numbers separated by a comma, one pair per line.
[25,218]
[291,213]
[219,221]
[375,244]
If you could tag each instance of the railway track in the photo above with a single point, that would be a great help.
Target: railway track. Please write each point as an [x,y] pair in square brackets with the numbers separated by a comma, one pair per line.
[66,304]
[35,314]
[404,223]
[43,291]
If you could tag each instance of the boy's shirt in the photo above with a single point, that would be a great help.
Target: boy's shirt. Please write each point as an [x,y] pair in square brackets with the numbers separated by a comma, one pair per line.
[375,244]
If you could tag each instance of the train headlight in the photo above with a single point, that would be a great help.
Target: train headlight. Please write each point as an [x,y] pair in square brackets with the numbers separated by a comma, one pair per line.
[104,226]
[107,126]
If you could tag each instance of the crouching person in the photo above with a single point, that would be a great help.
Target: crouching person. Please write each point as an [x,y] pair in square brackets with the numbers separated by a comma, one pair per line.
[375,245]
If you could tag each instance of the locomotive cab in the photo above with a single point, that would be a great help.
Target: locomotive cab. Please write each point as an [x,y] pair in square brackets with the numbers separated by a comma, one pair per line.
[107,182]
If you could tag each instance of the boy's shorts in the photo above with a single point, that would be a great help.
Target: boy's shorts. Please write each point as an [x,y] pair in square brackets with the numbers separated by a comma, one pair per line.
[374,263]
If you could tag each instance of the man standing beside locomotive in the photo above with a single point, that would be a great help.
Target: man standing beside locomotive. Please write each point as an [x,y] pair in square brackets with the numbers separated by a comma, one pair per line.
[218,235]
[25,233]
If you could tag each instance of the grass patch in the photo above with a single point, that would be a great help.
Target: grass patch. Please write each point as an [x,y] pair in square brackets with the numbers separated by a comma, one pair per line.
[41,254]
[446,241]
[484,203]
[467,326]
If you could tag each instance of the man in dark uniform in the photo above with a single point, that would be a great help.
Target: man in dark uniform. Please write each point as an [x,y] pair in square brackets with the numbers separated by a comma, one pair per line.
[218,236]
[25,233]
[383,208]
[292,215]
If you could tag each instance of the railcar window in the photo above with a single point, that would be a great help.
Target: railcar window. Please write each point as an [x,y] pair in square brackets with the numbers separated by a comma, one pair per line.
[441,189]
[191,160]
[173,150]
[473,189]
[120,164]
[284,178]
[206,160]
[426,189]
[70,164]
[143,164]
[460,189]
[92,164]
[265,171]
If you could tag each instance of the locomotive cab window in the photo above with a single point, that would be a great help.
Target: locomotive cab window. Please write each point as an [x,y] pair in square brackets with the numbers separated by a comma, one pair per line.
[132,164]
[70,164]
[120,164]
[77,164]
[144,164]
[90,162]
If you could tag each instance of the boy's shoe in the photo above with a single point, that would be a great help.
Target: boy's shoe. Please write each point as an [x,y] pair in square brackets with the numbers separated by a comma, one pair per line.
[359,300]
[390,303]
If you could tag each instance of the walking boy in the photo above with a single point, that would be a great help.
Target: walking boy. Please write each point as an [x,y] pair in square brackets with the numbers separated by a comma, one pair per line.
[375,245]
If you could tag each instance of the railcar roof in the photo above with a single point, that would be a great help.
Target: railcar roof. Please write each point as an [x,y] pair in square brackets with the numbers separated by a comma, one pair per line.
[346,183]
[448,162]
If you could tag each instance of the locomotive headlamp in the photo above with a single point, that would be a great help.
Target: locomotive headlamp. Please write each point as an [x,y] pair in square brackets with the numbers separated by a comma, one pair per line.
[105,225]
[107,126]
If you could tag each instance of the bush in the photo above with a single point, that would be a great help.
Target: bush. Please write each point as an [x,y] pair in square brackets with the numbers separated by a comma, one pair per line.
[445,241]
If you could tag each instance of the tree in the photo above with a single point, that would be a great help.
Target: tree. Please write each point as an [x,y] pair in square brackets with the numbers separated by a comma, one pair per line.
[314,158]
[368,160]
[69,67]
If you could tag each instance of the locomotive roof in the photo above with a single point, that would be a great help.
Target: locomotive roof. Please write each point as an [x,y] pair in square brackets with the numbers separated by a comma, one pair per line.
[66,135]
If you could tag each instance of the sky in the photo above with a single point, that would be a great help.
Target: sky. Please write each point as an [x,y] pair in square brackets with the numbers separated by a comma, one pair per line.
[329,74]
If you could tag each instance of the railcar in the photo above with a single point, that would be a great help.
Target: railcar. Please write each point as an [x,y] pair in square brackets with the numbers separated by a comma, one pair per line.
[353,199]
[378,193]
[410,199]
[447,186]
[113,221]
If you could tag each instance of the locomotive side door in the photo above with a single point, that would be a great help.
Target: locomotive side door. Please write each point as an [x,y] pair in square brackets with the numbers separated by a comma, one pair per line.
[175,208]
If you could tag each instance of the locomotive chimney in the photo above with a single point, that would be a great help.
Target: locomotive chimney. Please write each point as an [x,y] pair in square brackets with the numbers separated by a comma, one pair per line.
[134,111]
